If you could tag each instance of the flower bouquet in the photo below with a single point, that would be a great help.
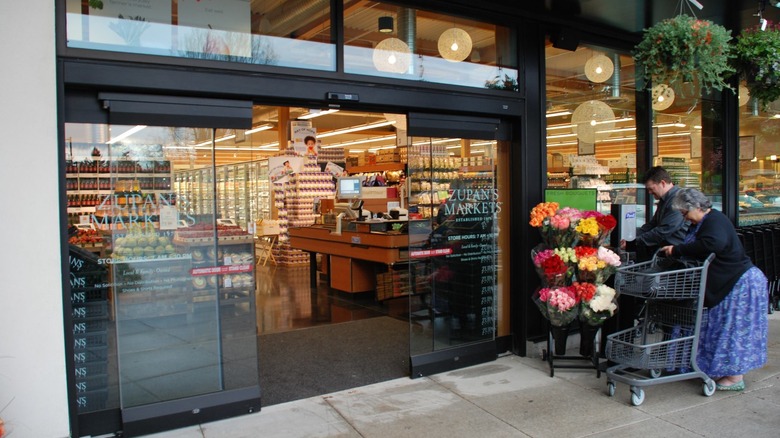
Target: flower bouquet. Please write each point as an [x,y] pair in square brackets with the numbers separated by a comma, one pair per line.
[598,304]
[597,268]
[557,304]
[555,226]
[551,267]
[594,228]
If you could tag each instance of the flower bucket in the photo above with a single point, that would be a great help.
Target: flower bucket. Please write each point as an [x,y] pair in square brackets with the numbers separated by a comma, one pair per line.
[560,337]
[587,336]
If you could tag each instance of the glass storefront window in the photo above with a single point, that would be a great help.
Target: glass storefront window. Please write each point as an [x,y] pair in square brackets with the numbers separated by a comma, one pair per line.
[267,32]
[591,124]
[759,148]
[398,42]
[156,316]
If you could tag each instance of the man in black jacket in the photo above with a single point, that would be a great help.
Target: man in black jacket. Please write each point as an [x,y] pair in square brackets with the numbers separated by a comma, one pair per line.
[667,227]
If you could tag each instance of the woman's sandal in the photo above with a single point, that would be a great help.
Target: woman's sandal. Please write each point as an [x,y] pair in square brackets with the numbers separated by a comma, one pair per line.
[739,386]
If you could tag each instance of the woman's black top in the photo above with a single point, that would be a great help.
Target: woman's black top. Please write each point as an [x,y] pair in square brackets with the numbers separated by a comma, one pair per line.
[716,234]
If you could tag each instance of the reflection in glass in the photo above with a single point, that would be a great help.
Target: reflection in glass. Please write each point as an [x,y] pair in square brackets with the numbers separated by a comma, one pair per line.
[258,32]
[759,147]
[444,49]
[453,207]
[183,327]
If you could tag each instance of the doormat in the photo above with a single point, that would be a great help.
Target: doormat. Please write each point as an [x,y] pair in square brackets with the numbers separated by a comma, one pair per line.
[323,359]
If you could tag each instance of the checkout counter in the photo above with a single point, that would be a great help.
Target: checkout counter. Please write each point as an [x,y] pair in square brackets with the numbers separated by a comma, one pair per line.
[353,253]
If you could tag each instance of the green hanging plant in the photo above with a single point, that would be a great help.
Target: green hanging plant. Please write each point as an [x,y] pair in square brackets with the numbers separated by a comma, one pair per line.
[758,62]
[96,4]
[687,49]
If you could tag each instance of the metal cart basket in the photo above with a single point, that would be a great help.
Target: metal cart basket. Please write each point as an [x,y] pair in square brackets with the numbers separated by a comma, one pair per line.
[666,337]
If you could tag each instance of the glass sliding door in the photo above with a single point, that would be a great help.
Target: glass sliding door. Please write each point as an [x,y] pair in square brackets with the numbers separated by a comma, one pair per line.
[164,316]
[454,207]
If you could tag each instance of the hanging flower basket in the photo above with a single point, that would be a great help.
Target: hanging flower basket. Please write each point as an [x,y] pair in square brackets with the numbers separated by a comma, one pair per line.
[685,48]
[758,61]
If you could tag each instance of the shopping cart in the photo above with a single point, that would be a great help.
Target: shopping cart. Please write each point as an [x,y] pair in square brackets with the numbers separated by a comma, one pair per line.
[666,337]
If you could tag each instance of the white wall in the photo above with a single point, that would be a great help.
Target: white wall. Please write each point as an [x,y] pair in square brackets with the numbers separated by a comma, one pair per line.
[32,356]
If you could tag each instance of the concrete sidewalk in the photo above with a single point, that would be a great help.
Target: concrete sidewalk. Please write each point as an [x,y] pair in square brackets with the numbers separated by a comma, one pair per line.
[515,397]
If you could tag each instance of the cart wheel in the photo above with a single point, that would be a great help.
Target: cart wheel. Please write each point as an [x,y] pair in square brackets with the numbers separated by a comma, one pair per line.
[611,389]
[637,396]
[655,373]
[708,388]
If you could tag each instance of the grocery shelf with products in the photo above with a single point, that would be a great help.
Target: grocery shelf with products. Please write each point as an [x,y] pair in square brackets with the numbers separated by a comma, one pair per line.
[115,191]
[242,192]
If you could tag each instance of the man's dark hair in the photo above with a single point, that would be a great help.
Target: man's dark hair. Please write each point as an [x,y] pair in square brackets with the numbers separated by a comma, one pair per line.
[656,174]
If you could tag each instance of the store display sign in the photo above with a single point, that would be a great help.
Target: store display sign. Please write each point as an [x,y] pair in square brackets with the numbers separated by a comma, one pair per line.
[280,168]
[215,27]
[582,199]
[169,217]
[301,131]
[135,23]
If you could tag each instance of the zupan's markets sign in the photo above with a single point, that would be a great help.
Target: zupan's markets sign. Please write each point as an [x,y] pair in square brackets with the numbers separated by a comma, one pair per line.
[472,202]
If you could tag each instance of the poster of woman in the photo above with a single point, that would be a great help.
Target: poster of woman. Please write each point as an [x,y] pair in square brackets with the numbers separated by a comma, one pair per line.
[280,168]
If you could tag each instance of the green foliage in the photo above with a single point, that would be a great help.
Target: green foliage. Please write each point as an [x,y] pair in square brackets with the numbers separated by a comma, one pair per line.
[96,4]
[687,49]
[758,62]
[507,83]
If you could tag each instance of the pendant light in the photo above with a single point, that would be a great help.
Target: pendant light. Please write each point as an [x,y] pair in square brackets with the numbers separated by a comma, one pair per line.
[599,68]
[663,97]
[392,55]
[454,44]
[743,94]
[591,120]
[385,24]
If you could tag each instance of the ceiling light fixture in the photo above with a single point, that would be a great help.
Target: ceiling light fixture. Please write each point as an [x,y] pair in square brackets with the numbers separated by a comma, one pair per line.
[558,114]
[392,55]
[385,24]
[454,44]
[316,113]
[356,128]
[221,139]
[599,68]
[126,134]
[590,114]
[264,127]
[367,140]
[663,97]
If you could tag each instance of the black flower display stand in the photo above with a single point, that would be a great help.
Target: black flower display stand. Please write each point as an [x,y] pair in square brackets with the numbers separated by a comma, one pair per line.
[556,348]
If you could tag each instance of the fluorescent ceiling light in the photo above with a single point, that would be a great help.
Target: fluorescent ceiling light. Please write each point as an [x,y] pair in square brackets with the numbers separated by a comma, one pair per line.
[550,128]
[560,136]
[558,114]
[440,141]
[565,143]
[316,113]
[484,143]
[633,128]
[264,127]
[381,148]
[356,128]
[126,134]
[367,140]
[227,137]
[675,134]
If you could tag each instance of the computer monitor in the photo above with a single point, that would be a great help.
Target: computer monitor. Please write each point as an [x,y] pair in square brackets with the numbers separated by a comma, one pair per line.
[349,187]
[345,207]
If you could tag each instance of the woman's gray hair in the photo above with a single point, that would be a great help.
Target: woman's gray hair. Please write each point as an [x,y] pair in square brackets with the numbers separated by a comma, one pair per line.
[690,199]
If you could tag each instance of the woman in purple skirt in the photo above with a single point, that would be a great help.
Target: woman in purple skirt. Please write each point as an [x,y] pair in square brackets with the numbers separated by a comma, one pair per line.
[733,338]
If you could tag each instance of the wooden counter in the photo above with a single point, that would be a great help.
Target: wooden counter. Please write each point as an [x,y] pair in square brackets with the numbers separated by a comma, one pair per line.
[372,246]
[352,255]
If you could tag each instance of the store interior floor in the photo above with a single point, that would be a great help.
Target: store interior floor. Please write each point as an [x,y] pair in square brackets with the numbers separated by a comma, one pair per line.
[314,342]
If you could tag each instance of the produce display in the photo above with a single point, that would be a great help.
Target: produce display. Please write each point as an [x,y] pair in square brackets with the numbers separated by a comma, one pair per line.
[86,238]
[142,243]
